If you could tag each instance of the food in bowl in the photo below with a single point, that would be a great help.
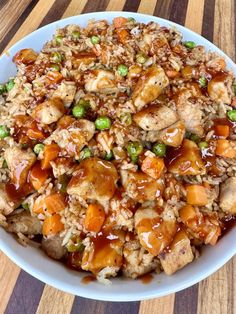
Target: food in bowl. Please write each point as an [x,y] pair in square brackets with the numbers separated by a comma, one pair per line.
[118,148]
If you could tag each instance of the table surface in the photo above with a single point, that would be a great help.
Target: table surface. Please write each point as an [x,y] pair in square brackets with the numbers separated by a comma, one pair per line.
[19,292]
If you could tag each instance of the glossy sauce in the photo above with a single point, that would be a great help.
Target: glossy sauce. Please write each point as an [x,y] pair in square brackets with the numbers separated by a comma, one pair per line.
[16,194]
[146,278]
[87,279]
[229,222]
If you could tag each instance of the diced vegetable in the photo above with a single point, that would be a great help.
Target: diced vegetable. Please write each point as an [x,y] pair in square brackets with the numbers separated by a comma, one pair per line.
[189,44]
[58,39]
[10,84]
[75,245]
[51,152]
[38,176]
[51,204]
[4,164]
[103,123]
[75,35]
[25,206]
[123,35]
[119,21]
[196,195]
[126,118]
[35,134]
[187,213]
[109,156]
[153,166]
[38,148]
[202,145]
[232,115]
[52,225]
[2,89]
[195,138]
[134,149]
[53,77]
[85,153]
[225,148]
[141,58]
[222,130]
[95,217]
[131,19]
[203,81]
[159,149]
[55,67]
[56,57]
[78,111]
[95,40]
[122,70]
[4,131]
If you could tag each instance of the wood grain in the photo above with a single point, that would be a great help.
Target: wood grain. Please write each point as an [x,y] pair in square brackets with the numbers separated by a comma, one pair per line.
[160,305]
[115,5]
[147,7]
[74,8]
[194,15]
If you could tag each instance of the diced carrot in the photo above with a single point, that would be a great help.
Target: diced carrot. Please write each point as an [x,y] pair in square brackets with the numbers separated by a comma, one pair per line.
[119,21]
[34,134]
[153,166]
[224,148]
[187,213]
[196,195]
[50,153]
[38,176]
[172,73]
[53,77]
[222,130]
[95,217]
[55,202]
[52,225]
[65,121]
[123,35]
[206,185]
[38,207]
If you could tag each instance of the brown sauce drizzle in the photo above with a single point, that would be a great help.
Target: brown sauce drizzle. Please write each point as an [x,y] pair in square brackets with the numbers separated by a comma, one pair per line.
[87,279]
[146,278]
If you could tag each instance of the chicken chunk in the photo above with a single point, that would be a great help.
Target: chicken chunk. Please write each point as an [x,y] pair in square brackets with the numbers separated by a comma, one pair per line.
[6,205]
[25,56]
[150,85]
[186,160]
[155,118]
[49,111]
[138,261]
[217,89]
[24,223]
[52,246]
[83,57]
[154,233]
[94,179]
[19,162]
[172,135]
[179,255]
[190,113]
[140,186]
[228,195]
[101,81]
[66,92]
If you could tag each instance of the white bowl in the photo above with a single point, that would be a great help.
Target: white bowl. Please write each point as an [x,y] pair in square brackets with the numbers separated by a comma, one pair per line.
[36,263]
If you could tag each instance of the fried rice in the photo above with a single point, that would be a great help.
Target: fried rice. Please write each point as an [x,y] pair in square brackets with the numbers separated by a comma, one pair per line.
[118,152]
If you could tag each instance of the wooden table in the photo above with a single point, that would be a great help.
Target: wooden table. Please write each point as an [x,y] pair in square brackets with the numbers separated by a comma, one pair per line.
[19,292]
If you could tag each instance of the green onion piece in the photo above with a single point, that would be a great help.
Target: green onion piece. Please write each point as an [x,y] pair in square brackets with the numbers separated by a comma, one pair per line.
[4,131]
[55,67]
[159,149]
[103,123]
[202,145]
[95,40]
[10,84]
[75,35]
[56,57]
[84,103]
[134,149]
[38,148]
[141,58]
[122,70]
[232,115]
[126,118]
[4,164]
[25,206]
[190,44]
[85,153]
[203,81]
[58,39]
[75,245]
[195,138]
[131,19]
[109,156]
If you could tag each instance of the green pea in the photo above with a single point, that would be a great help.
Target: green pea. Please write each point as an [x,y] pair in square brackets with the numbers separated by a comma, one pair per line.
[38,148]
[10,84]
[134,149]
[126,118]
[95,40]
[109,156]
[202,145]
[195,138]
[159,149]
[2,89]
[85,153]
[55,67]
[56,57]
[203,81]
[190,44]
[141,58]
[103,123]
[232,115]
[122,70]
[78,111]
[25,206]
[58,39]
[4,131]
[84,103]
[4,164]
[75,35]
[131,19]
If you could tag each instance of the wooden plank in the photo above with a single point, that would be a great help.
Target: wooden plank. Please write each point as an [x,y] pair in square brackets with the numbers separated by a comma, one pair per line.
[115,5]
[224,26]
[208,19]
[95,6]
[147,7]
[178,11]
[186,301]
[163,9]
[217,293]
[9,273]
[158,306]
[54,301]
[32,22]
[56,11]
[131,6]
[194,15]
[74,8]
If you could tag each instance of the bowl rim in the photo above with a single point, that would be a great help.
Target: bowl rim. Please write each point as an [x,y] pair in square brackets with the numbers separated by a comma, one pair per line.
[93,293]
